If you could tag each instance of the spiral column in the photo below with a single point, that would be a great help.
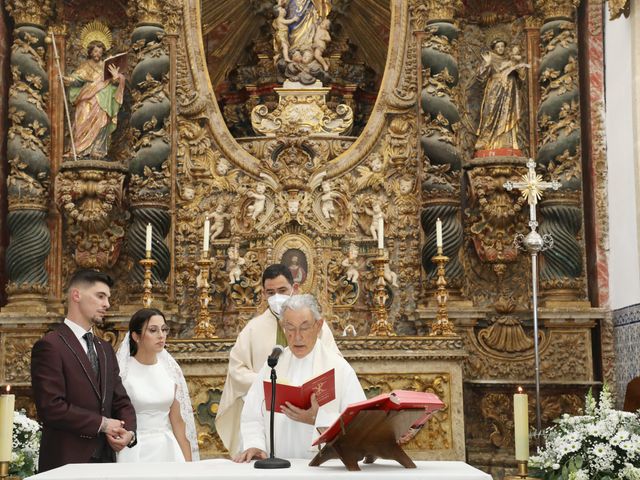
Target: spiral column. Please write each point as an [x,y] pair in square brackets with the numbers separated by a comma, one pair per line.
[561,268]
[27,151]
[441,179]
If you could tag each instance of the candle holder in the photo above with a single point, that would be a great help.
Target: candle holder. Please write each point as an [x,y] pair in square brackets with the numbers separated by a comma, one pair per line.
[4,469]
[441,326]
[523,472]
[147,263]
[204,328]
[381,327]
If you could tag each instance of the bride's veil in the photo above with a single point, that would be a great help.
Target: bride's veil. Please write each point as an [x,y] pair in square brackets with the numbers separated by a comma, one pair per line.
[182,391]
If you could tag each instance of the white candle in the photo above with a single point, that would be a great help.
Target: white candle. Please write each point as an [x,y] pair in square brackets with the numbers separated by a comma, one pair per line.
[439,234]
[381,233]
[149,233]
[7,404]
[521,424]
[205,240]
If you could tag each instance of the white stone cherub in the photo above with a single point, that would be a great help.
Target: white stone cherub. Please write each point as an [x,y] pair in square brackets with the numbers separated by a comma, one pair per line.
[234,262]
[326,200]
[218,217]
[281,35]
[376,214]
[390,276]
[351,262]
[260,198]
[223,166]
[320,40]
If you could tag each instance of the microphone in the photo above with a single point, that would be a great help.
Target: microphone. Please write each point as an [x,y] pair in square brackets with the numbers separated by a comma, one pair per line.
[272,361]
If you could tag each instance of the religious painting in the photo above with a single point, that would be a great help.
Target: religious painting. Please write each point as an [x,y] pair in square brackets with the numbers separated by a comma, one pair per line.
[296,261]
[296,252]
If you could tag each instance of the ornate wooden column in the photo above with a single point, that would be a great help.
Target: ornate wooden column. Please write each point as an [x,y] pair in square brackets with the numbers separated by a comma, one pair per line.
[443,160]
[561,268]
[27,151]
[150,185]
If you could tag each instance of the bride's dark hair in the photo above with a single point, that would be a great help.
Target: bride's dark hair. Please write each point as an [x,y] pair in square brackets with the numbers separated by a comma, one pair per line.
[136,324]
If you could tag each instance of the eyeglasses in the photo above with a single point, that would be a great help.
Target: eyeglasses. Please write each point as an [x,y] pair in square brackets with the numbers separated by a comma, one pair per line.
[302,329]
[155,331]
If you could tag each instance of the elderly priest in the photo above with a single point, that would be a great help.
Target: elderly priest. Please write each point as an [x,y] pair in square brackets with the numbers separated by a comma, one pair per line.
[304,359]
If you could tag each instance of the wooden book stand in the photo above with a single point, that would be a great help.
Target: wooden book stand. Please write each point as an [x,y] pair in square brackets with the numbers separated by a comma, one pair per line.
[369,435]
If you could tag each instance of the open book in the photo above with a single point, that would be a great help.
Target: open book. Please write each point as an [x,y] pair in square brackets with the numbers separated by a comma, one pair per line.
[324,386]
[119,60]
[427,403]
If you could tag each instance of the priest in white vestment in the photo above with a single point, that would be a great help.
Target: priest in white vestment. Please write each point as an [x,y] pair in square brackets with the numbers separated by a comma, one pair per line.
[304,359]
[253,345]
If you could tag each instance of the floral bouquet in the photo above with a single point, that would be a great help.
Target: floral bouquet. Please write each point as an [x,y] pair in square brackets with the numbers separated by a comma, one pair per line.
[602,444]
[26,445]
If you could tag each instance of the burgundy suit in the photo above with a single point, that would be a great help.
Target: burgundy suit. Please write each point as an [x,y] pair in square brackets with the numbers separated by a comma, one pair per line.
[71,401]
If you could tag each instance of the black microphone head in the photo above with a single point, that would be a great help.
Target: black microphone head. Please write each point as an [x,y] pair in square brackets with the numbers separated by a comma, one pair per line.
[272,361]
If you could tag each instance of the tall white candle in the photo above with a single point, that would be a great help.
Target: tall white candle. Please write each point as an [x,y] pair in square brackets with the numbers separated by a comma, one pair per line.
[149,235]
[205,240]
[7,404]
[381,233]
[439,234]
[521,424]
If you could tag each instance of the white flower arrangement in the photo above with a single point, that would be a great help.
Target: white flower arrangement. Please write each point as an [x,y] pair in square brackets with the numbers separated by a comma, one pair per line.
[602,444]
[26,445]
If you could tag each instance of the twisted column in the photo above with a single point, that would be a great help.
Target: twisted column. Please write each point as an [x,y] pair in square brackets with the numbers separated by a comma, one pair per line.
[441,185]
[561,271]
[29,170]
[149,188]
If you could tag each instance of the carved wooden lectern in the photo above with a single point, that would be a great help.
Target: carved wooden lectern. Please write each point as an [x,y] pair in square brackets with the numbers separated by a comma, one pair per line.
[372,429]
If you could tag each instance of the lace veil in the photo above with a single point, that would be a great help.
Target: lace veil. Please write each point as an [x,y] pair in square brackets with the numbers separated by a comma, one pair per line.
[182,392]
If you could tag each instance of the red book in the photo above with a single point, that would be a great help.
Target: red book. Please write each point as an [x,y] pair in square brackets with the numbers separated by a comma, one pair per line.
[323,386]
[396,400]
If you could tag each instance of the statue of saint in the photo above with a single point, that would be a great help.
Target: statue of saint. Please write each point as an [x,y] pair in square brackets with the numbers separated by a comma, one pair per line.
[96,99]
[500,111]
[310,13]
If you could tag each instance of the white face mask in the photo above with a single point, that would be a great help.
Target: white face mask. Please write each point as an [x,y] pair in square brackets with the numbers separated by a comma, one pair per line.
[275,303]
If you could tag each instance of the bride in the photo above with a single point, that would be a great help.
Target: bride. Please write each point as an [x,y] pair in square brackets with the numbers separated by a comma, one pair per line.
[158,391]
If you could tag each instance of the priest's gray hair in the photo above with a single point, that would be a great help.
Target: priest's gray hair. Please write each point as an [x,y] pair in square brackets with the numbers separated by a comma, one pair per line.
[298,302]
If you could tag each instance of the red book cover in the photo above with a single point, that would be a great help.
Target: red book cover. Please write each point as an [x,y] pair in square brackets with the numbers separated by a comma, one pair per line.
[396,400]
[119,60]
[323,386]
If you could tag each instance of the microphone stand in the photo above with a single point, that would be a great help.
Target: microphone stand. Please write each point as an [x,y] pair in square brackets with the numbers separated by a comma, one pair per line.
[272,461]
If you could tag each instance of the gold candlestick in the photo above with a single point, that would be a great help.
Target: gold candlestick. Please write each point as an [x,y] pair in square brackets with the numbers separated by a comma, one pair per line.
[204,328]
[441,326]
[523,472]
[147,263]
[4,469]
[381,327]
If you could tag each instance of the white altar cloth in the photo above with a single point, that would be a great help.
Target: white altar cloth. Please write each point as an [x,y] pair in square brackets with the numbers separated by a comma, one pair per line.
[220,469]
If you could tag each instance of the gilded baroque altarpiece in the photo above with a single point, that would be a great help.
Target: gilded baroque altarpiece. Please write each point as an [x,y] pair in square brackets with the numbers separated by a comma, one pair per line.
[295,151]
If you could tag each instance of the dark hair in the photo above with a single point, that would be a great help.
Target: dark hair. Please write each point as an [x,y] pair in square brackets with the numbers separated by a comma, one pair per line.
[93,44]
[275,270]
[497,41]
[87,276]
[136,324]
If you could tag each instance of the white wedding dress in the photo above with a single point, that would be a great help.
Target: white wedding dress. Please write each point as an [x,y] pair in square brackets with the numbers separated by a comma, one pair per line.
[152,391]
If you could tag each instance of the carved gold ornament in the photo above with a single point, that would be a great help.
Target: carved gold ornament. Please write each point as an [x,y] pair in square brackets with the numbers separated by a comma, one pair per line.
[302,111]
[95,31]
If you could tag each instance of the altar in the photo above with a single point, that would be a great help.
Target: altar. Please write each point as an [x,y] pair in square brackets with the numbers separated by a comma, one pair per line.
[226,469]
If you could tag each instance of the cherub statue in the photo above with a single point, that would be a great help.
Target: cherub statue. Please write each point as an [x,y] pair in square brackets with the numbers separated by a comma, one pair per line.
[257,207]
[351,262]
[281,32]
[320,40]
[349,331]
[293,205]
[218,217]
[390,276]
[376,214]
[223,166]
[234,262]
[326,200]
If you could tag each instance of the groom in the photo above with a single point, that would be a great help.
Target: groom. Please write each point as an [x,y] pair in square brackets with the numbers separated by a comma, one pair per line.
[85,411]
